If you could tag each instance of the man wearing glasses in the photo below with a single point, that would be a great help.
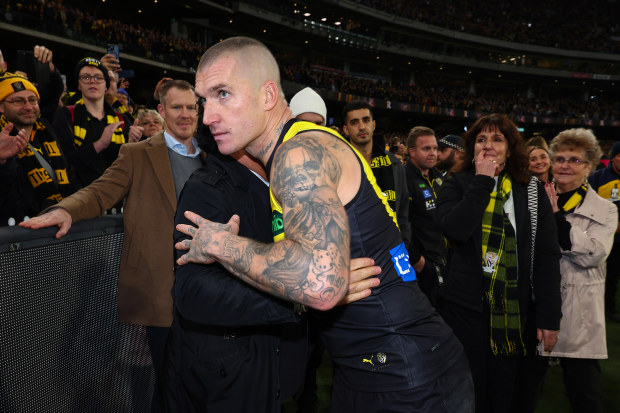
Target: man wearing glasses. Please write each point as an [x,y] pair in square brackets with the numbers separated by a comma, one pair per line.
[90,131]
[33,170]
[148,176]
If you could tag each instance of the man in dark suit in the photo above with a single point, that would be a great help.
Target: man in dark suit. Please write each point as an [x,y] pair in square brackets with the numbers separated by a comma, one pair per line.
[148,177]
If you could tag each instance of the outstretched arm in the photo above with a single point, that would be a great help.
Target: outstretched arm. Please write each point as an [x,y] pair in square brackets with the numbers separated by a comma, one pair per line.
[310,266]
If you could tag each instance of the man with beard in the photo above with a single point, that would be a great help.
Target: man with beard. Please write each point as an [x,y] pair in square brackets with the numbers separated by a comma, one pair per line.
[428,247]
[33,170]
[450,154]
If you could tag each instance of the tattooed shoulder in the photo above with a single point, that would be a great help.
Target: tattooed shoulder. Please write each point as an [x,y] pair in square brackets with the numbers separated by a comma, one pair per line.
[302,164]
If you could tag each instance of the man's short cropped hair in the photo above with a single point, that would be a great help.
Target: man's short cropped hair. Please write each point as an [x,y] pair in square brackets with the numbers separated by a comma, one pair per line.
[177,84]
[416,132]
[356,105]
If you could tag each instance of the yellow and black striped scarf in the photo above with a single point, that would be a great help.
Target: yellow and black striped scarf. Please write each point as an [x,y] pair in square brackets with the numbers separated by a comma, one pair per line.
[499,269]
[45,144]
[80,122]
[575,200]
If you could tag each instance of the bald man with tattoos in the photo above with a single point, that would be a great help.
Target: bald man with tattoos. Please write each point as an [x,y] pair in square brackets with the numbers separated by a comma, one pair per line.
[391,350]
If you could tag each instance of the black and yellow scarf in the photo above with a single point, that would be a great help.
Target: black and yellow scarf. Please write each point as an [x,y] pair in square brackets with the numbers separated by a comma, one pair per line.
[499,269]
[122,110]
[575,199]
[80,121]
[49,188]
[381,166]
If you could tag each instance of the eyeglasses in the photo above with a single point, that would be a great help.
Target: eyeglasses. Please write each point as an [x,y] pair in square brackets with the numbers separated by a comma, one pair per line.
[88,78]
[571,161]
[21,102]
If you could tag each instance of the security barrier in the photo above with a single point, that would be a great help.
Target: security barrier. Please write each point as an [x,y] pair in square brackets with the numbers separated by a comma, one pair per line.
[61,347]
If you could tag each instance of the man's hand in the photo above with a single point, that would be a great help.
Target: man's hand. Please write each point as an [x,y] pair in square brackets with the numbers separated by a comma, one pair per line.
[135,132]
[202,237]
[123,83]
[56,216]
[360,281]
[44,55]
[159,86]
[106,137]
[111,62]
[549,338]
[11,145]
[419,266]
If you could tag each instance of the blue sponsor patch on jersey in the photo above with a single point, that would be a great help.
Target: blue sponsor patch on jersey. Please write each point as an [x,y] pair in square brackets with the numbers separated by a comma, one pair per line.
[400,258]
[427,193]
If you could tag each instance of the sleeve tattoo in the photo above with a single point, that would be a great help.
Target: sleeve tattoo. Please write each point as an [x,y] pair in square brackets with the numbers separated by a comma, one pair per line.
[311,265]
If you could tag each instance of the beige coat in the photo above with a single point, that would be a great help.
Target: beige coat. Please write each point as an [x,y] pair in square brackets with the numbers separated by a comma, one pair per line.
[142,176]
[582,328]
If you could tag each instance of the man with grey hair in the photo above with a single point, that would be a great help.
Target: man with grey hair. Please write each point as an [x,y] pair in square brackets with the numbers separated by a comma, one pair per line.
[326,208]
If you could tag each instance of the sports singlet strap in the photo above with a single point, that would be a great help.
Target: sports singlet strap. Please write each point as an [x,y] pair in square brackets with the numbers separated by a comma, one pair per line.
[292,128]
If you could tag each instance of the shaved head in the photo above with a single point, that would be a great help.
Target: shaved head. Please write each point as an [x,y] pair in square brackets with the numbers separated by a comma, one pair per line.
[253,59]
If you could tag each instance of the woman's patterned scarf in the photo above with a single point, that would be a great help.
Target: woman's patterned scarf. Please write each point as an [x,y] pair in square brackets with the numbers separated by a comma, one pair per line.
[499,269]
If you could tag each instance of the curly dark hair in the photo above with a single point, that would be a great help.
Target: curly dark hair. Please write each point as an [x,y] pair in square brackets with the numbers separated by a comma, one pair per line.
[517,163]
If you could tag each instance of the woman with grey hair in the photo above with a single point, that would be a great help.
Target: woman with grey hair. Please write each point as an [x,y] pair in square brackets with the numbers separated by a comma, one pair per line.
[586,226]
[148,123]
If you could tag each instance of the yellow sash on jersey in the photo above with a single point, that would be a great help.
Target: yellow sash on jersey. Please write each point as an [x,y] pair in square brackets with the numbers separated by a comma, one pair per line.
[277,225]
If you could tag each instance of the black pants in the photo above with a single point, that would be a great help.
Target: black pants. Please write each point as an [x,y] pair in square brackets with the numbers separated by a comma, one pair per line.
[581,384]
[611,280]
[428,280]
[494,377]
[156,337]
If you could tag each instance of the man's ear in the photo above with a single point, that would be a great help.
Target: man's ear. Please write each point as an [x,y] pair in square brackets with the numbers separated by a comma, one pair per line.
[271,94]
[160,109]
[345,130]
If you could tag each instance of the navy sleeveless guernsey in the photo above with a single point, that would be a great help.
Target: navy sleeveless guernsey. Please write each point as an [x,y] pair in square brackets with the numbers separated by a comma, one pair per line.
[393,339]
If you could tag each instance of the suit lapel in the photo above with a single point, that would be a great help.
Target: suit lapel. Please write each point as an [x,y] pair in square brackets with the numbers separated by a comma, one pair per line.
[158,155]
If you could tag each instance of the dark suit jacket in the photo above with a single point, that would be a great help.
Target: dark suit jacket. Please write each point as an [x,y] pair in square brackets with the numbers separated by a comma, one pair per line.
[462,201]
[142,177]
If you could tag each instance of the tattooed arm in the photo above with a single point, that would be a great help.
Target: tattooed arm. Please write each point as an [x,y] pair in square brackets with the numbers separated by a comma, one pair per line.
[311,266]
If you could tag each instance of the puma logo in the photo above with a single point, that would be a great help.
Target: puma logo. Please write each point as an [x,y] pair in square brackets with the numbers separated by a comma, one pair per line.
[368,361]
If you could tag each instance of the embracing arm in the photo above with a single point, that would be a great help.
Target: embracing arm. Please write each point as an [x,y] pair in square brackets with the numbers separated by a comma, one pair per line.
[310,266]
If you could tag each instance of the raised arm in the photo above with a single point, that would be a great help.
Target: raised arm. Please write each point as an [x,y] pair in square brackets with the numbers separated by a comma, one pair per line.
[311,266]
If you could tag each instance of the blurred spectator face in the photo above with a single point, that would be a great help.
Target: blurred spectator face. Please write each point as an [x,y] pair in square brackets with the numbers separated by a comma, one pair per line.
[91,83]
[21,108]
[402,151]
[424,154]
[123,99]
[311,117]
[180,113]
[445,154]
[151,126]
[615,163]
[494,145]
[3,64]
[445,158]
[539,162]
[359,126]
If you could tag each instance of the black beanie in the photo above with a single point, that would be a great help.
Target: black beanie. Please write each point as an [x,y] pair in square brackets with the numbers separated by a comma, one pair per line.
[91,61]
[615,150]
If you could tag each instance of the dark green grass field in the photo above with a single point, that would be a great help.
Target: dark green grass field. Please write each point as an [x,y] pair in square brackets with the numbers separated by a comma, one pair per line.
[552,400]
